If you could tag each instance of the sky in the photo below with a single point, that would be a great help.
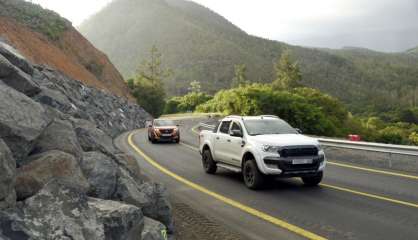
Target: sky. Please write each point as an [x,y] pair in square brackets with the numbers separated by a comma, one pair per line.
[384,25]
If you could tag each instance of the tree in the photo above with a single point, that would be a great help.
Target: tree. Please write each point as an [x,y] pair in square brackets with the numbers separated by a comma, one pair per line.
[195,87]
[147,87]
[288,74]
[240,75]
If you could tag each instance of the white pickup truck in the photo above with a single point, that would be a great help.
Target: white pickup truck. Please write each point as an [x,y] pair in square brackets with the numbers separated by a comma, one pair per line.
[260,147]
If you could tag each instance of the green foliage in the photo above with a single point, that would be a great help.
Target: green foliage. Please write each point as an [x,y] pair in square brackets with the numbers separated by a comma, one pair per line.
[148,87]
[186,103]
[304,112]
[392,134]
[413,138]
[409,115]
[288,75]
[148,96]
[35,17]
[240,75]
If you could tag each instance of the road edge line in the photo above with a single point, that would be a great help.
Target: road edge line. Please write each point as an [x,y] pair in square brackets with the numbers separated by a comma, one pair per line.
[366,169]
[275,221]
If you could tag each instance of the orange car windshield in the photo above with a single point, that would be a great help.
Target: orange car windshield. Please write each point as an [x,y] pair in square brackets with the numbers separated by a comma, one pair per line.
[162,123]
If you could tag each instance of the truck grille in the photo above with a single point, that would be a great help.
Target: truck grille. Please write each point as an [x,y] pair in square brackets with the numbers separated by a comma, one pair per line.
[166,131]
[299,152]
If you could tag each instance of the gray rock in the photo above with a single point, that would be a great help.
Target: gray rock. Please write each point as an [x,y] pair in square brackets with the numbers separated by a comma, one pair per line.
[12,226]
[131,165]
[17,79]
[15,58]
[153,230]
[59,135]
[91,138]
[7,177]
[152,198]
[54,99]
[127,190]
[158,207]
[121,221]
[59,211]
[101,173]
[43,167]
[21,121]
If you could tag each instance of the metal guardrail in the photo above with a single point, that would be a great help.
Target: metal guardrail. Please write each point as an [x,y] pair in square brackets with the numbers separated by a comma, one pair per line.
[364,146]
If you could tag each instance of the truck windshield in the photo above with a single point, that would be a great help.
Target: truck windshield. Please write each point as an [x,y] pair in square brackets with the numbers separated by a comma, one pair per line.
[162,123]
[268,126]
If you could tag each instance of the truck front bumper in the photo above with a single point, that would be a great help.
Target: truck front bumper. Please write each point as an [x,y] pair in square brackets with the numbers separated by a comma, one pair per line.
[286,168]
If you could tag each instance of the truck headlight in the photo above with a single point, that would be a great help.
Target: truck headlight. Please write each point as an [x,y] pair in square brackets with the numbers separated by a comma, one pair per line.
[270,148]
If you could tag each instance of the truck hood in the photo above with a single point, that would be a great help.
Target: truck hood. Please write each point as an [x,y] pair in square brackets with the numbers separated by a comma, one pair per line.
[284,140]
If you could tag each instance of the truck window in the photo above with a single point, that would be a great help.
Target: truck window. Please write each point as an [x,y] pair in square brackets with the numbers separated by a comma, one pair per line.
[225,127]
[235,126]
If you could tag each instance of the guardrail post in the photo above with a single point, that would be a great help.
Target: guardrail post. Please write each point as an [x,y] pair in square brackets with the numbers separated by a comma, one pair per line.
[390,160]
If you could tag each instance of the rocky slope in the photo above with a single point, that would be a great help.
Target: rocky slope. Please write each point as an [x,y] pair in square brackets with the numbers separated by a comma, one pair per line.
[46,38]
[61,176]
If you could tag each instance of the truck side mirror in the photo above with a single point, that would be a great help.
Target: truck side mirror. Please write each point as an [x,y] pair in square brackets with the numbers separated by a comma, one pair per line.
[298,130]
[236,133]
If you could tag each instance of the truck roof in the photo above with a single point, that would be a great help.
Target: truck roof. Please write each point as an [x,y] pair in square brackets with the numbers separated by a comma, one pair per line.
[251,117]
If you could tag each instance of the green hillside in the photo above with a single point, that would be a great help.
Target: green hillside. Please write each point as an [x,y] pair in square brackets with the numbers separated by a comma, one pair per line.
[199,44]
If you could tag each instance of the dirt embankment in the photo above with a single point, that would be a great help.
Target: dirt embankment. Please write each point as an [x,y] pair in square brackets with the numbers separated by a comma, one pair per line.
[71,53]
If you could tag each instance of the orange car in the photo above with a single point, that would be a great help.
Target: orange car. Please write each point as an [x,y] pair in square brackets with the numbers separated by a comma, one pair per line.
[163,130]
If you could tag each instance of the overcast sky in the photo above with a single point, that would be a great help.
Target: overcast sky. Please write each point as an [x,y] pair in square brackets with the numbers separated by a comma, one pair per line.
[387,25]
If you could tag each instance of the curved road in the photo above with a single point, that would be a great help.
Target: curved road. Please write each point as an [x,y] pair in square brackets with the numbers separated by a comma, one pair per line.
[350,204]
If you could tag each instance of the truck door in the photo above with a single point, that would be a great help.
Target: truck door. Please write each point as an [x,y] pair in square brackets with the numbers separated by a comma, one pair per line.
[220,141]
[234,145]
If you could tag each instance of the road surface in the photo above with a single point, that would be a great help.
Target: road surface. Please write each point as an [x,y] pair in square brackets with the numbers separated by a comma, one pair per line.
[349,204]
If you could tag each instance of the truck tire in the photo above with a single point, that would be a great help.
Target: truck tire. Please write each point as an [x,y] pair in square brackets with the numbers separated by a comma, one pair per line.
[253,178]
[208,164]
[313,181]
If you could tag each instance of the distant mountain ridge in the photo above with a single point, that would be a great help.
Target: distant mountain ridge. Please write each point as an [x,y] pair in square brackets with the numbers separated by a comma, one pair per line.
[198,44]
[46,38]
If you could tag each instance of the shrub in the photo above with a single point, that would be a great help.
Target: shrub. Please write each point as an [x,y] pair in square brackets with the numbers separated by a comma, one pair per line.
[392,135]
[413,138]
[305,112]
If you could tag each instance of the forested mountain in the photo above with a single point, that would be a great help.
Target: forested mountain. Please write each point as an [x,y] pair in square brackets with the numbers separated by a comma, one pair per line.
[198,44]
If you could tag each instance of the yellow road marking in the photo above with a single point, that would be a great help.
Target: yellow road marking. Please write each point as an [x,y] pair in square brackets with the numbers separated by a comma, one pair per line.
[348,190]
[356,167]
[371,195]
[373,170]
[249,210]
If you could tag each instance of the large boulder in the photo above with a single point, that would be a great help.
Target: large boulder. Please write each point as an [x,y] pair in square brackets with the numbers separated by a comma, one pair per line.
[59,135]
[153,230]
[22,120]
[41,168]
[101,173]
[16,78]
[92,138]
[121,221]
[152,198]
[131,164]
[15,58]
[54,99]
[158,206]
[59,211]
[7,177]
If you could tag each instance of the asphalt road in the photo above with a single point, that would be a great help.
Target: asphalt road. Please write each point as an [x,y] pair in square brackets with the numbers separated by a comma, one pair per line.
[350,204]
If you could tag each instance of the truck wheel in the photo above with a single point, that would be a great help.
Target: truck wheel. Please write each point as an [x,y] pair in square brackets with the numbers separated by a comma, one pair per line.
[314,180]
[208,164]
[253,178]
